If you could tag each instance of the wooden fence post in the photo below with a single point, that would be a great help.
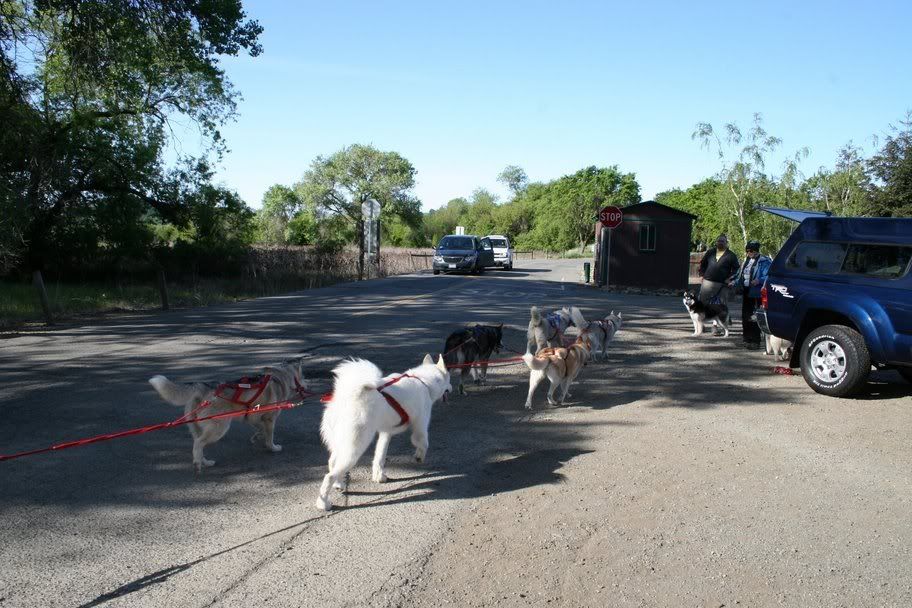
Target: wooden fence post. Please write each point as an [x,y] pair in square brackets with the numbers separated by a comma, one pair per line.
[38,280]
[163,289]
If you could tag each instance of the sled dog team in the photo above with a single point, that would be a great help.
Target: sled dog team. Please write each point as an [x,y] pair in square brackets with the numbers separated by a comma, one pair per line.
[365,404]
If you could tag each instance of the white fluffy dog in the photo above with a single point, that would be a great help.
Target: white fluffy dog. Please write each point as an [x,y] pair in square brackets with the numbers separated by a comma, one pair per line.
[364,403]
[780,347]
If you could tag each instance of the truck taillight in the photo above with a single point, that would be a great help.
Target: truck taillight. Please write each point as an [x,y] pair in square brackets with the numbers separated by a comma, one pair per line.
[764,298]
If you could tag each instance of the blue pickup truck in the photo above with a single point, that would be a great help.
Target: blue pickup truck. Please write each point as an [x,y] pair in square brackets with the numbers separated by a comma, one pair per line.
[840,290]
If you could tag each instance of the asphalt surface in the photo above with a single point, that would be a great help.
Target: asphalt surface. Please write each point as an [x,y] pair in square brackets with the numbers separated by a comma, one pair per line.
[682,472]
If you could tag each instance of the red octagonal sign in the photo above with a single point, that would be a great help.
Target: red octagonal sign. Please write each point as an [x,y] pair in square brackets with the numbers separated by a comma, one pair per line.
[610,217]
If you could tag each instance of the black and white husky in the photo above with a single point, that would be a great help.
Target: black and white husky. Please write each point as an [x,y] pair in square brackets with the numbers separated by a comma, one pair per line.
[466,346]
[701,313]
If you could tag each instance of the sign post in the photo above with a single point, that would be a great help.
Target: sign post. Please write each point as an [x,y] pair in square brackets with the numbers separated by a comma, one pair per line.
[610,218]
[370,211]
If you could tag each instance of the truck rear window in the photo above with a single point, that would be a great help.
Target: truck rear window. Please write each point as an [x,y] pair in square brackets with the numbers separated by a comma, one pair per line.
[885,261]
[888,261]
[814,256]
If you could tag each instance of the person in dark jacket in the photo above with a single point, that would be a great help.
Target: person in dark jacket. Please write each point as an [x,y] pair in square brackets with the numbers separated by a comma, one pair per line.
[718,269]
[749,282]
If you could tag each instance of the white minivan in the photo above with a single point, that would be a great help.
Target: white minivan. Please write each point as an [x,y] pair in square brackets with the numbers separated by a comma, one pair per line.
[503,252]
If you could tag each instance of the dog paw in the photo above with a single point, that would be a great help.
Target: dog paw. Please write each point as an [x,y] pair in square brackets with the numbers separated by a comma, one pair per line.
[323,504]
[274,448]
[379,477]
[199,466]
[420,457]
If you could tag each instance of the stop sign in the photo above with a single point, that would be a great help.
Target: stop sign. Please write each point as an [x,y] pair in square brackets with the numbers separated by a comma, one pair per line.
[610,217]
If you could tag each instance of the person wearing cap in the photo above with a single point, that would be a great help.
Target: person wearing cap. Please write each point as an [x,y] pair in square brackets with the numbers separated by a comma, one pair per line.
[718,269]
[750,279]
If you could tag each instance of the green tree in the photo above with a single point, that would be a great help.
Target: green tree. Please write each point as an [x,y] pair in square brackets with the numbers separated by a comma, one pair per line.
[569,205]
[303,229]
[87,92]
[514,178]
[339,184]
[891,170]
[479,217]
[743,158]
[397,233]
[280,206]
[701,200]
[845,190]
[443,221]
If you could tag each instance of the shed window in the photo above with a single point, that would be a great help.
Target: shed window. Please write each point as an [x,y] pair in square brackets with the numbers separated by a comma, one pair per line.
[647,237]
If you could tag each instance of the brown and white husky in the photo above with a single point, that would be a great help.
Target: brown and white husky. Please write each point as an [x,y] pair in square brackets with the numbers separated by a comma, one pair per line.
[560,365]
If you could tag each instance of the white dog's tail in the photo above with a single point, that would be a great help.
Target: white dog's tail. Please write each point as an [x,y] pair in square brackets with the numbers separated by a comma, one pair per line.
[578,318]
[353,379]
[177,394]
[535,363]
[536,316]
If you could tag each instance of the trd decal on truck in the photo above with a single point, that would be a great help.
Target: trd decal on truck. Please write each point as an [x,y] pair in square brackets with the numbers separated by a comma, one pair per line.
[781,290]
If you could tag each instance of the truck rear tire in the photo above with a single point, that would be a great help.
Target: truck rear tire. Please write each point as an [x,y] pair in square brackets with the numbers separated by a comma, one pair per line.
[835,361]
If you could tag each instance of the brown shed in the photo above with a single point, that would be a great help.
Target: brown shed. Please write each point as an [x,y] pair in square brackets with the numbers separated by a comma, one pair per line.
[651,247]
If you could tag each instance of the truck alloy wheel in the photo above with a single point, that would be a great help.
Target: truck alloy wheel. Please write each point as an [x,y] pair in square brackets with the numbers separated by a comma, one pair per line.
[835,360]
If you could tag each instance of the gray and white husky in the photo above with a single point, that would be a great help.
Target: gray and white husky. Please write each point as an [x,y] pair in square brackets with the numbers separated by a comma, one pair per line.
[275,384]
[601,333]
[548,330]
[366,404]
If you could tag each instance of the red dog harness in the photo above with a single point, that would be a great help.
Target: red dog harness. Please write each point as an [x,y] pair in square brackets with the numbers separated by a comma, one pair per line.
[244,384]
[403,415]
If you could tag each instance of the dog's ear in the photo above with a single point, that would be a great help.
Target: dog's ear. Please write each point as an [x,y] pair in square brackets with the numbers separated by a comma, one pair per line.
[428,360]
[612,313]
[620,314]
[440,364]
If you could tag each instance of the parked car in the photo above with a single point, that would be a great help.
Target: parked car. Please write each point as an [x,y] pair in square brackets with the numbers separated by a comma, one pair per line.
[503,252]
[463,253]
[841,291]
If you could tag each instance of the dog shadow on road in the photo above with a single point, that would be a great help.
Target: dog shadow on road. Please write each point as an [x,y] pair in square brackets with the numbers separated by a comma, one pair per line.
[530,469]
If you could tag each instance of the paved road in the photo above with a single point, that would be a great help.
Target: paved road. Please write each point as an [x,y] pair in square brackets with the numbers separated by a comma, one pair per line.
[683,472]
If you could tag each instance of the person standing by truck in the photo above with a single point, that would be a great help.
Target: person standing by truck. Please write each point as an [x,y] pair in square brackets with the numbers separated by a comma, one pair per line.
[717,269]
[749,282]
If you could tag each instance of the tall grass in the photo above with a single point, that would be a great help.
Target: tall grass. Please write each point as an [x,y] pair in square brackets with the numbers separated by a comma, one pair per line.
[267,271]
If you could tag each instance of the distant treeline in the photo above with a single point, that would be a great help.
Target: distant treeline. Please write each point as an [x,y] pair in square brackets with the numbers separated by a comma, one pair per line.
[89,92]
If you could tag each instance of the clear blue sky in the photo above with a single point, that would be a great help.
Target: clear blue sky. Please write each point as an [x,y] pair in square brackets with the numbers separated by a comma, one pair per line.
[463,89]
